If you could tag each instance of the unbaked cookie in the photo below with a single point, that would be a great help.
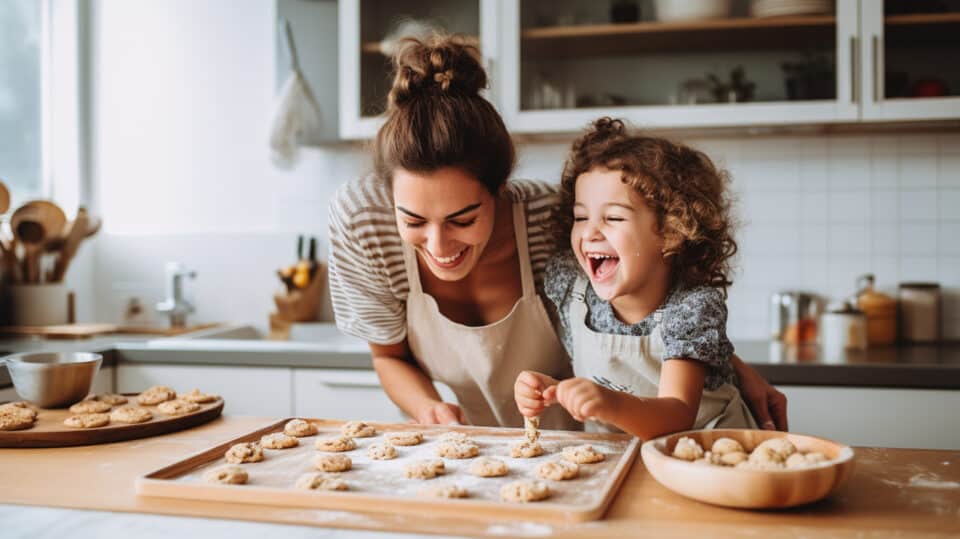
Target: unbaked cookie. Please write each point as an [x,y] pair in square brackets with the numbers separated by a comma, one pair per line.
[383,451]
[278,440]
[358,429]
[454,436]
[723,446]
[489,467]
[244,452]
[90,407]
[195,395]
[336,444]
[444,491]
[131,414]
[227,475]
[177,407]
[458,450]
[87,421]
[321,481]
[558,470]
[299,428]
[405,438]
[531,428]
[156,395]
[425,469]
[582,454]
[782,447]
[525,449]
[333,463]
[525,490]
[111,398]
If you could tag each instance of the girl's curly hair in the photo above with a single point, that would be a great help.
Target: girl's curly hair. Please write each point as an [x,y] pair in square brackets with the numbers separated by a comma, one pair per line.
[681,185]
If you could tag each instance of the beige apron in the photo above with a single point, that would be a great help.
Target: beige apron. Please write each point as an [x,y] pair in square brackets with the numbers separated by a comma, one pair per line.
[631,363]
[481,364]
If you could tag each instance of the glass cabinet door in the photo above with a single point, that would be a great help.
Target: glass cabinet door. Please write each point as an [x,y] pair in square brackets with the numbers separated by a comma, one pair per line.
[679,63]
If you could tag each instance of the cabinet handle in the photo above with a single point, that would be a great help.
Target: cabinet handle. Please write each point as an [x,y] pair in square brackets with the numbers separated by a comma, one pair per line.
[354,385]
[876,69]
[855,69]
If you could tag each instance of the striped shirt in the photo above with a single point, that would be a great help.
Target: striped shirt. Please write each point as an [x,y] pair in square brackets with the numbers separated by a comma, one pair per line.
[368,279]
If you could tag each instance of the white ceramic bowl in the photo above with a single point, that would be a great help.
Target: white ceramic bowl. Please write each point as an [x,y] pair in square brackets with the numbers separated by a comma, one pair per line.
[747,488]
[692,10]
[53,379]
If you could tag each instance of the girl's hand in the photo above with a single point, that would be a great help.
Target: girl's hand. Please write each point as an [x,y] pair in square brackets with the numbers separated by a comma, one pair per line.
[583,399]
[769,406]
[529,390]
[441,413]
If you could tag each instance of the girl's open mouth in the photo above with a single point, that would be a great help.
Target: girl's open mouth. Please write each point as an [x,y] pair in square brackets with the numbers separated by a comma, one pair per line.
[602,265]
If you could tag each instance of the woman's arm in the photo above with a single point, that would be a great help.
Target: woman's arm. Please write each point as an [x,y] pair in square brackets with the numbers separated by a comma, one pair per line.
[410,388]
[769,406]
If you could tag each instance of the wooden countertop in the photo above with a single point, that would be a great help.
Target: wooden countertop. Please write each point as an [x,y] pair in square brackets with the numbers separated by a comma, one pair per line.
[893,493]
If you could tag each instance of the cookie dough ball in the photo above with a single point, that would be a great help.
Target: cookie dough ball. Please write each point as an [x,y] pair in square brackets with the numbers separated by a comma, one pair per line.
[299,428]
[458,450]
[525,490]
[131,414]
[195,395]
[723,446]
[321,481]
[336,444]
[405,438]
[382,451]
[731,459]
[244,452]
[687,449]
[489,467]
[333,463]
[278,440]
[227,475]
[358,429]
[90,407]
[525,449]
[796,460]
[177,407]
[582,454]
[112,399]
[87,421]
[425,469]
[531,428]
[444,491]
[558,470]
[156,395]
[816,457]
[764,458]
[455,436]
[781,446]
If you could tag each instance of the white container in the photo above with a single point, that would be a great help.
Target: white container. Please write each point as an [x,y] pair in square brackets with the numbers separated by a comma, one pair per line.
[842,329]
[692,10]
[38,304]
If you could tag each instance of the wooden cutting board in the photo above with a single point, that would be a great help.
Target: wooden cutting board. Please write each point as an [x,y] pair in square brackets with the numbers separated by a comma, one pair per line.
[49,430]
[381,485]
[81,331]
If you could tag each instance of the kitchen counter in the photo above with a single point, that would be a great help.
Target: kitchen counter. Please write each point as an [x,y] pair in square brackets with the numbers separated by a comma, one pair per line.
[892,493]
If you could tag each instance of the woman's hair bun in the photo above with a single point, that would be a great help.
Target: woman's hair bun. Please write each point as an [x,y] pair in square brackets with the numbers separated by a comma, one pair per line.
[439,64]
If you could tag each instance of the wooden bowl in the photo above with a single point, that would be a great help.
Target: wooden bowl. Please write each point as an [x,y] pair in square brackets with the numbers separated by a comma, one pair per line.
[748,488]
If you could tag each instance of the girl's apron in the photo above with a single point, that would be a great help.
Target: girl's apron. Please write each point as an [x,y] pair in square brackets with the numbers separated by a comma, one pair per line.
[481,364]
[632,363]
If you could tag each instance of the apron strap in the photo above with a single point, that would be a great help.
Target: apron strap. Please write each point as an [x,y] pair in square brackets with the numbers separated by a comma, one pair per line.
[523,250]
[413,270]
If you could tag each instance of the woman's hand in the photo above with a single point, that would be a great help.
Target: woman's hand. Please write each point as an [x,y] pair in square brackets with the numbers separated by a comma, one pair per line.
[769,406]
[529,390]
[583,399]
[441,413]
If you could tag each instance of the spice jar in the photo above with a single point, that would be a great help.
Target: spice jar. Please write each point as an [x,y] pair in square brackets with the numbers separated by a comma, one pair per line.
[920,312]
[880,310]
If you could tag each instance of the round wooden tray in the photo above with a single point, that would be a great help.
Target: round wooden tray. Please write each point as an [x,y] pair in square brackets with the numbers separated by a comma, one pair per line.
[49,430]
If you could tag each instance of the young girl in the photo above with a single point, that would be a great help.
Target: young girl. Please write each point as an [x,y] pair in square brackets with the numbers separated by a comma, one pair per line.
[640,298]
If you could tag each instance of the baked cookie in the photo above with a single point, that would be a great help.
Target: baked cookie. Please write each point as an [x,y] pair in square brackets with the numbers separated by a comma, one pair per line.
[227,475]
[582,454]
[404,438]
[454,436]
[112,399]
[321,481]
[278,440]
[90,407]
[333,463]
[383,451]
[87,421]
[177,407]
[558,470]
[425,469]
[444,491]
[195,395]
[336,444]
[299,428]
[10,420]
[458,450]
[525,449]
[489,467]
[156,395]
[244,452]
[525,490]
[358,429]
[19,409]
[131,414]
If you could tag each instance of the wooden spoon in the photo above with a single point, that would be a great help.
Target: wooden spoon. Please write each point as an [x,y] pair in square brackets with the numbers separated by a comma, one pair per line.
[4,198]
[33,224]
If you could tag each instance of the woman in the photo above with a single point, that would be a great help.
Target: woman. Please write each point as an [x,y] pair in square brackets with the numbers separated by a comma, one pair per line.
[437,259]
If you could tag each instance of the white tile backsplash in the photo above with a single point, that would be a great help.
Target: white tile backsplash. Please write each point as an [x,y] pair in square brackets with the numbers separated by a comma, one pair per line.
[849,206]
[918,205]
[949,204]
[918,239]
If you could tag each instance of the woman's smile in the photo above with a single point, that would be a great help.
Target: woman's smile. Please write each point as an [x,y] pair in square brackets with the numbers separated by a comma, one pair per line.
[446,262]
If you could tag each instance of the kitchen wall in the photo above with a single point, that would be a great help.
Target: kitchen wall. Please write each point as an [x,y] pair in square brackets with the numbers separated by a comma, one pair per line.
[182,97]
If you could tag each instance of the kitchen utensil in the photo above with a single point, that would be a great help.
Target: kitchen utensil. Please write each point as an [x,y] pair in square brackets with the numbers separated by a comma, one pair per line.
[691,10]
[4,198]
[919,312]
[793,317]
[53,379]
[746,488]
[75,234]
[881,311]
[842,328]
[297,115]
[33,224]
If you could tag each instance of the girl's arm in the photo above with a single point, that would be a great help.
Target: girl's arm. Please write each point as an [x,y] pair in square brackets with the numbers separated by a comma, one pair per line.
[768,405]
[410,388]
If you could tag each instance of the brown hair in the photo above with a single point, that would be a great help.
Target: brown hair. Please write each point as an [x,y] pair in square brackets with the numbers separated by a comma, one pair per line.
[681,185]
[436,117]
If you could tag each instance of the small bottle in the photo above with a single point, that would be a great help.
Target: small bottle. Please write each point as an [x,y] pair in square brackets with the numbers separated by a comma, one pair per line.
[880,310]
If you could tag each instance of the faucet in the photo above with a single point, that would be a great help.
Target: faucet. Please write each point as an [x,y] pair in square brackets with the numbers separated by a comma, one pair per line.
[176,306]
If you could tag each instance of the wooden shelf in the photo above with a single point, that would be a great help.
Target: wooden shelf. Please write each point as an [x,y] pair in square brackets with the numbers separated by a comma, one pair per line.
[922,18]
